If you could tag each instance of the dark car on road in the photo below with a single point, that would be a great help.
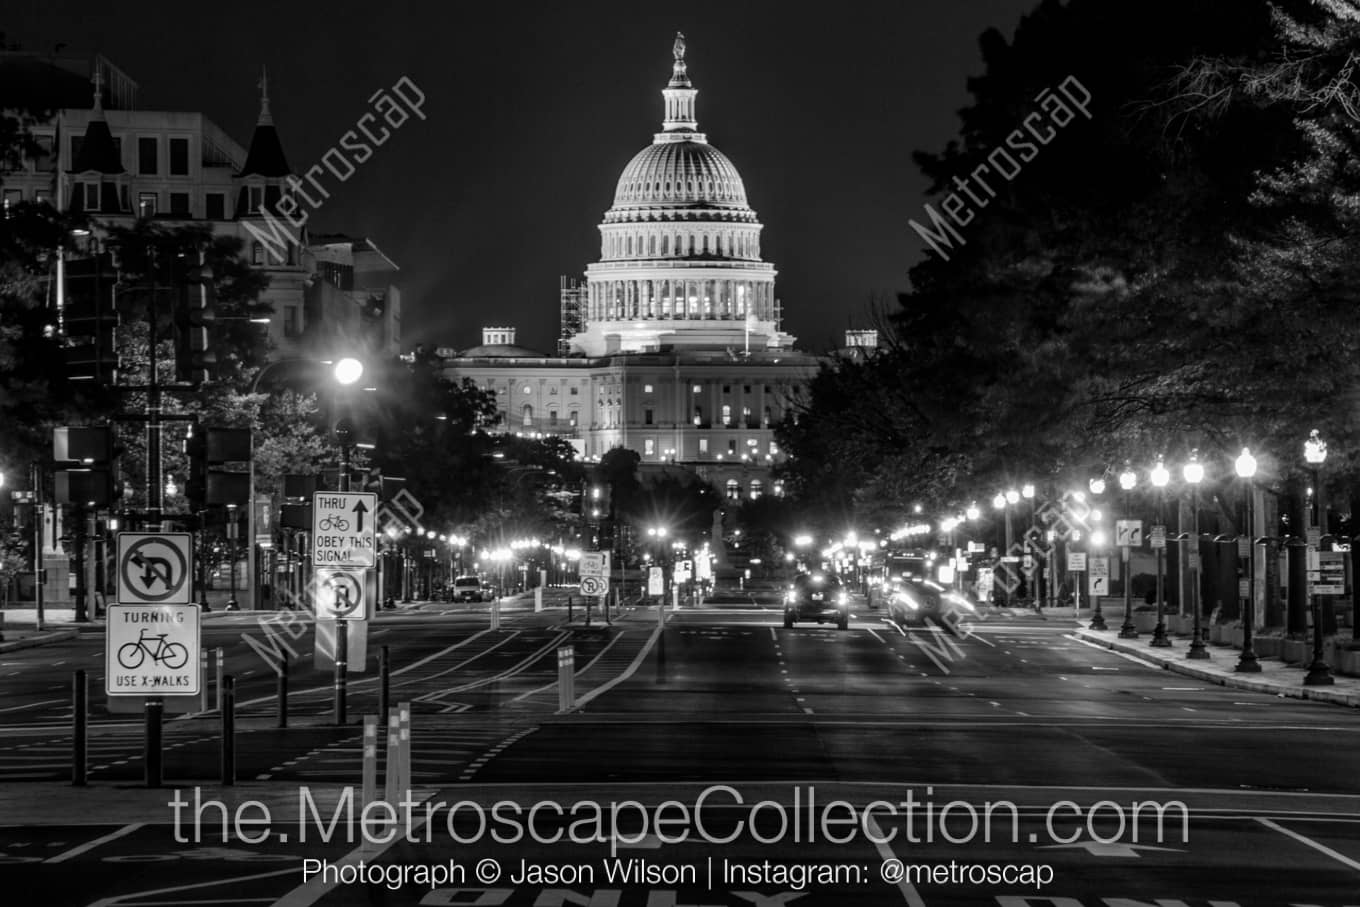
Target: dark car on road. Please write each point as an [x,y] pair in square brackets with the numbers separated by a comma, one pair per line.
[921,602]
[817,596]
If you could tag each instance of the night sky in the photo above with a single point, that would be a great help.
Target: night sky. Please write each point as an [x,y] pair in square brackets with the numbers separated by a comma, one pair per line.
[534,109]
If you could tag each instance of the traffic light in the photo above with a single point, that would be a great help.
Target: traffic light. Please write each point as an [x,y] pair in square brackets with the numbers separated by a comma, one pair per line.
[84,466]
[194,314]
[88,319]
[209,485]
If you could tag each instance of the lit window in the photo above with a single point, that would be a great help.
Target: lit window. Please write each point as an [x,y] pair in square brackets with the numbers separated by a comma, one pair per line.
[726,414]
[572,420]
[752,443]
[703,445]
[646,388]
[697,389]
[731,445]
[528,415]
[146,204]
[774,449]
[733,489]
[757,488]
[256,254]
[649,447]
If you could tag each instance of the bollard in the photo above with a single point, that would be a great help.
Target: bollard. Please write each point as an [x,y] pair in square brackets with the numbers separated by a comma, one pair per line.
[79,727]
[151,746]
[390,770]
[675,597]
[404,747]
[2,626]
[384,681]
[538,599]
[219,679]
[281,688]
[370,766]
[228,731]
[341,667]
[566,677]
[496,614]
[203,681]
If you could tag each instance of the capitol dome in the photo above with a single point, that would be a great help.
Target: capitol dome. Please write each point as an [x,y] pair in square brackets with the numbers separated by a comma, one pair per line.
[674,174]
[680,262]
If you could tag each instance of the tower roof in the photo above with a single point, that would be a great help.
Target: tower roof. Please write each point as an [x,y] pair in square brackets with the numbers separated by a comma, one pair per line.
[98,151]
[265,157]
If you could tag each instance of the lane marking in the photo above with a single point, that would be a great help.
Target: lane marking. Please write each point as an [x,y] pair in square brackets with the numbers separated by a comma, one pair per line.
[628,672]
[1319,847]
[91,845]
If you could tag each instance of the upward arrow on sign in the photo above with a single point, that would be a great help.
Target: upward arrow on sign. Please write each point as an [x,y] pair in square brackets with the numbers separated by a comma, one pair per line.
[359,510]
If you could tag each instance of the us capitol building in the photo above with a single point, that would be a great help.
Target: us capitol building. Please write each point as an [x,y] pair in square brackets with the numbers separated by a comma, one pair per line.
[672,345]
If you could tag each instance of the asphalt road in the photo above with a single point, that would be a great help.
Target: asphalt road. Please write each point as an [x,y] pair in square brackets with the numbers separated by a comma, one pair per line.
[723,710]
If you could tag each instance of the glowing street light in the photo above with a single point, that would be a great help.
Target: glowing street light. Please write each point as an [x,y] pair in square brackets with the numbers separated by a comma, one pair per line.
[1319,673]
[1096,485]
[1127,480]
[973,513]
[348,370]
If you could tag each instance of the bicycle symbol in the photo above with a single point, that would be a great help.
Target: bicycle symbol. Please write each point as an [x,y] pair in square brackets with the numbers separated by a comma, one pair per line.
[338,523]
[173,655]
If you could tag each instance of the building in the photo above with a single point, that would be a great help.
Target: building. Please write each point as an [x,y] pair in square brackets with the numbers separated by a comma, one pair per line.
[101,154]
[672,347]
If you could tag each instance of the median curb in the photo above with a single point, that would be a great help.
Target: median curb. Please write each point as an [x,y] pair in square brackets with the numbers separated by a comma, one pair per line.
[1224,678]
[40,639]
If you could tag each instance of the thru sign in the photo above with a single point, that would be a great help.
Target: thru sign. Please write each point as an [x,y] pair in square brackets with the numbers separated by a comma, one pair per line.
[344,528]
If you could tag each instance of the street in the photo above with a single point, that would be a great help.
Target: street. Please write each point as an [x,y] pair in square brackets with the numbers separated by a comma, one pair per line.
[722,710]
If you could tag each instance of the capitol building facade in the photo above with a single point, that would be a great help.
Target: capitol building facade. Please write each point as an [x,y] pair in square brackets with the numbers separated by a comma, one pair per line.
[671,346]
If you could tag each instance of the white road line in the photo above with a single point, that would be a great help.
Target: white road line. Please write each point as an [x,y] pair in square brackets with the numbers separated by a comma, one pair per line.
[1320,848]
[127,898]
[1133,658]
[33,705]
[875,635]
[91,845]
[628,672]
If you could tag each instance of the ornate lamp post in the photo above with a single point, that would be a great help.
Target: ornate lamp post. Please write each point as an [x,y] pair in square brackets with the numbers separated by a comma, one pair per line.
[1160,476]
[1194,474]
[1319,674]
[1127,480]
[1246,470]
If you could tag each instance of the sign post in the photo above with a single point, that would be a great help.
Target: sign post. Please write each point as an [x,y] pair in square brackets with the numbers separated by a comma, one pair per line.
[595,570]
[344,549]
[152,637]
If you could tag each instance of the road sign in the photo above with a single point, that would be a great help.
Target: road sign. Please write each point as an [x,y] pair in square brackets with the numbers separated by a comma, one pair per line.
[594,585]
[976,548]
[1100,575]
[656,581]
[1099,585]
[1243,547]
[594,563]
[1076,561]
[1314,535]
[340,593]
[344,528]
[151,650]
[155,568]
[1128,533]
[682,571]
[703,569]
[1244,588]
[1332,574]
[1158,537]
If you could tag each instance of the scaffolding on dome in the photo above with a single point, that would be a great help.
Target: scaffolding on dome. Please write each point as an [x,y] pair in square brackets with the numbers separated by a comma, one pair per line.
[573,292]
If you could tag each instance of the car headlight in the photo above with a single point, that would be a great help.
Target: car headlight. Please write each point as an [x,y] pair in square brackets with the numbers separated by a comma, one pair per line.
[960,601]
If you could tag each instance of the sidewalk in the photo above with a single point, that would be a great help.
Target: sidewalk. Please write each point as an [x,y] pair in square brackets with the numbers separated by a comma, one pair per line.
[28,638]
[1275,677]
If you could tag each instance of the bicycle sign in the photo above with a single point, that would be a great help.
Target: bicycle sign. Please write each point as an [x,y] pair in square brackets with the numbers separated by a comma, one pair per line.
[344,528]
[152,650]
[155,568]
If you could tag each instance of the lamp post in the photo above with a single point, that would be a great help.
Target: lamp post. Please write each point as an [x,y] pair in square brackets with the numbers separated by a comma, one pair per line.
[1194,474]
[1160,476]
[1319,674]
[347,372]
[1127,480]
[1246,470]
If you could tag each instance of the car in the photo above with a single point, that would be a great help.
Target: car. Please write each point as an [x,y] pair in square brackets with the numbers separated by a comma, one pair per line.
[466,589]
[817,596]
[923,602]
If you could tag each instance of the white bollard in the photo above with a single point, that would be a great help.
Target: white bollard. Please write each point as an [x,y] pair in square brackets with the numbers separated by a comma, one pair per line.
[538,599]
[219,679]
[496,614]
[404,744]
[566,678]
[370,768]
[392,770]
[675,597]
[203,680]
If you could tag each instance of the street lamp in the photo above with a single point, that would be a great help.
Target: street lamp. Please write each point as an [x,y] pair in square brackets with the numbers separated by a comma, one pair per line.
[1194,474]
[973,513]
[1160,476]
[1127,480]
[1246,470]
[1319,674]
[1096,485]
[348,370]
